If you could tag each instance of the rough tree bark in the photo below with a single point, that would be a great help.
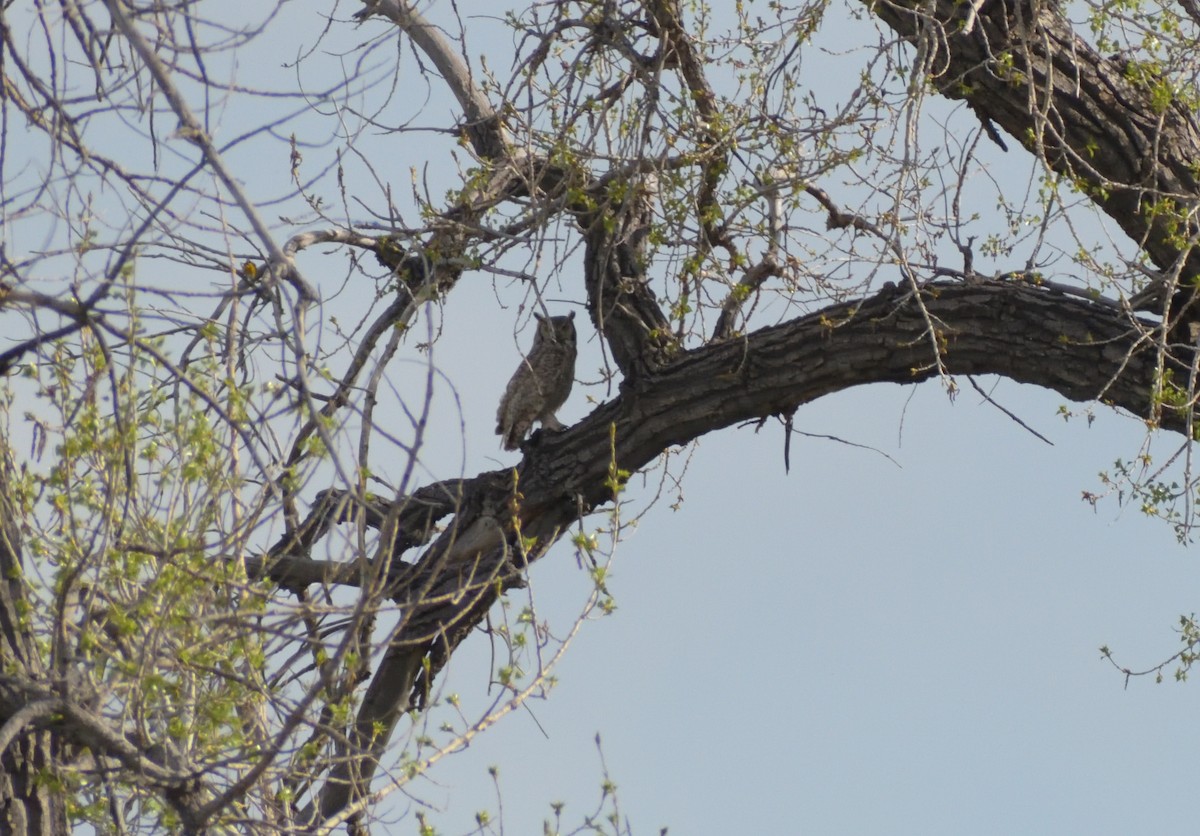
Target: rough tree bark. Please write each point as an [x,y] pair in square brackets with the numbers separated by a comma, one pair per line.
[1020,65]
[28,748]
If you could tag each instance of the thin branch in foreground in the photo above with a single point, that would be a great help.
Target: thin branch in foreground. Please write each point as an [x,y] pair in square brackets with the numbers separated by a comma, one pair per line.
[1007,412]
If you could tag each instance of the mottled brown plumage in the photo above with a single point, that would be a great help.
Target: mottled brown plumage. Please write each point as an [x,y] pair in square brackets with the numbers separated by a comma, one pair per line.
[541,383]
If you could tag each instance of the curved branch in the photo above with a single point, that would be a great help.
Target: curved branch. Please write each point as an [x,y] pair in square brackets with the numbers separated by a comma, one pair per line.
[483,125]
[1082,349]
[27,715]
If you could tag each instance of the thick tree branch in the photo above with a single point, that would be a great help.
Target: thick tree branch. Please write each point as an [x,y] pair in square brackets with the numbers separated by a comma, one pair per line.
[620,300]
[682,53]
[1021,66]
[1081,349]
[483,126]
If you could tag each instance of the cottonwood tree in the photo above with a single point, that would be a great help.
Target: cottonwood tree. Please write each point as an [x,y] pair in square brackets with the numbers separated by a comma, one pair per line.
[231,581]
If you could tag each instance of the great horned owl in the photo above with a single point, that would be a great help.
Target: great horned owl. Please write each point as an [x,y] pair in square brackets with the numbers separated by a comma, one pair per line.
[541,383]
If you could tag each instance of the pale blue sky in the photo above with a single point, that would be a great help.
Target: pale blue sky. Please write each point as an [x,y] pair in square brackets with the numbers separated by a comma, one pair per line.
[858,648]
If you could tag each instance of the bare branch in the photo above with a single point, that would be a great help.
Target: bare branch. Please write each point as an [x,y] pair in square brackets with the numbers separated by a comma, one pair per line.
[483,126]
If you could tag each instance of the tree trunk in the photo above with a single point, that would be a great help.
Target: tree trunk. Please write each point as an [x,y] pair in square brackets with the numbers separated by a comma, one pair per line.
[29,802]
[29,805]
